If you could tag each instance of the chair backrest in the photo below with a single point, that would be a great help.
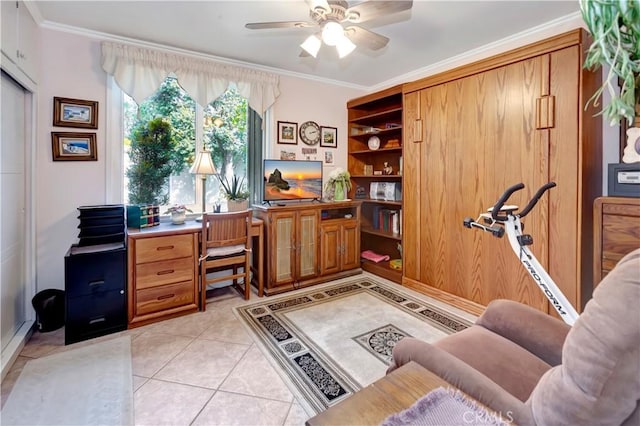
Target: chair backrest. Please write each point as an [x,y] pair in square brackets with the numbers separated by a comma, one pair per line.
[225,229]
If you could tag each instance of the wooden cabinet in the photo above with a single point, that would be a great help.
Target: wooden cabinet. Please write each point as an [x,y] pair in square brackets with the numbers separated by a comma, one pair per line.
[470,133]
[294,245]
[163,274]
[339,245]
[309,243]
[20,37]
[378,116]
[616,232]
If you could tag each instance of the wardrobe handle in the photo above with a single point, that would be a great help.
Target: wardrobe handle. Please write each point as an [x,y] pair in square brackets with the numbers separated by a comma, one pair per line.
[96,282]
[168,271]
[97,320]
[165,248]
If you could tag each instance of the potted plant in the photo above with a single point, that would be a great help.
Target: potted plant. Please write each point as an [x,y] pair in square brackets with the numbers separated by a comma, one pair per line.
[235,192]
[338,184]
[178,213]
[615,28]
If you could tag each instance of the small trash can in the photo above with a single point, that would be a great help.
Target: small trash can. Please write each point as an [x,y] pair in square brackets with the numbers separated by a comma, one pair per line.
[49,306]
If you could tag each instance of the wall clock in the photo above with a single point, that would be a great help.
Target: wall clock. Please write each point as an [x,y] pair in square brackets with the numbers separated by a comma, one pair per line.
[310,132]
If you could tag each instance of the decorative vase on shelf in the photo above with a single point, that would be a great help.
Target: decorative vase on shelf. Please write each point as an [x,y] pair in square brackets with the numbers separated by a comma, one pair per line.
[178,217]
[338,194]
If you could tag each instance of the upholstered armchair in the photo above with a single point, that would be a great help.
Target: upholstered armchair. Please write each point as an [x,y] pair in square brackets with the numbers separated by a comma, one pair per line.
[535,370]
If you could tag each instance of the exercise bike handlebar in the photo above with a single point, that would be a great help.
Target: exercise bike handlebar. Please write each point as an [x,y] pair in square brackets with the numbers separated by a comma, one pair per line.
[536,197]
[503,199]
[507,194]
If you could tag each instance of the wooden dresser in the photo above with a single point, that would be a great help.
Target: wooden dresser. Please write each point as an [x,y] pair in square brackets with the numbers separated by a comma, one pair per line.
[163,273]
[616,232]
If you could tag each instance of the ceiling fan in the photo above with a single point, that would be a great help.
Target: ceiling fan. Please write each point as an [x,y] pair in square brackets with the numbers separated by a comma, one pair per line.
[336,22]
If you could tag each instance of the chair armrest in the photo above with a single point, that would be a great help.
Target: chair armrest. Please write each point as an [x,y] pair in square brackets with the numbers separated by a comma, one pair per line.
[535,331]
[463,377]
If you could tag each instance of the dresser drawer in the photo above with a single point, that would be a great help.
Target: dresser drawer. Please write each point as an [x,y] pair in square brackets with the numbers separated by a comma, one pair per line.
[620,235]
[164,297]
[164,248]
[165,272]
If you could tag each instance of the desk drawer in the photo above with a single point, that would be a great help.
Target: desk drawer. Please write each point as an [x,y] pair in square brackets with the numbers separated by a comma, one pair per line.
[165,297]
[164,248]
[168,271]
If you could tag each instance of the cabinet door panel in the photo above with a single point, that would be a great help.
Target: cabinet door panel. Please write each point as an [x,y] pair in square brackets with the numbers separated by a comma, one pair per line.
[350,245]
[283,246]
[465,168]
[308,244]
[411,173]
[330,249]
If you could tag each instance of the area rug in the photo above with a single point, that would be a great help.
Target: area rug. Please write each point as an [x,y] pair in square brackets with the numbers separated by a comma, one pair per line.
[333,340]
[91,385]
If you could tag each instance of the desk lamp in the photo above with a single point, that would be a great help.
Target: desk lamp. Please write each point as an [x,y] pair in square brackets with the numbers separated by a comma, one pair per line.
[203,166]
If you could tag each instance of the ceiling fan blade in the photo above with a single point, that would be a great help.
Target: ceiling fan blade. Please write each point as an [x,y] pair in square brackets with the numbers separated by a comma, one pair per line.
[365,38]
[282,24]
[372,9]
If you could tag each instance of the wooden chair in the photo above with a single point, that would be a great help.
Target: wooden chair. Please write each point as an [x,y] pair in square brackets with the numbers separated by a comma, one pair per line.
[226,244]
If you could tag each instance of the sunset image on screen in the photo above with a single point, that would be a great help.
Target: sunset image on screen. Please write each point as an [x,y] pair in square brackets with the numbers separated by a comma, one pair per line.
[291,180]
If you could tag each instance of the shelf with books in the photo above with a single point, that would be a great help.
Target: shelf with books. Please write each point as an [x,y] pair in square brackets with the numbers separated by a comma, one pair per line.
[376,174]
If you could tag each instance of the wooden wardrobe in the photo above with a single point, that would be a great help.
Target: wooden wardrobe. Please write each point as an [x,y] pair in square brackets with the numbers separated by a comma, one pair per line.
[470,133]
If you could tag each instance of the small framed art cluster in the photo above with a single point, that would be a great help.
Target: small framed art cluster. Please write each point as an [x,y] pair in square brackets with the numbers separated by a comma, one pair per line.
[310,134]
[74,146]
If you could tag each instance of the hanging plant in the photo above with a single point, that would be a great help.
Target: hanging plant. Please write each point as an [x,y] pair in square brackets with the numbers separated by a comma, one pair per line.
[615,28]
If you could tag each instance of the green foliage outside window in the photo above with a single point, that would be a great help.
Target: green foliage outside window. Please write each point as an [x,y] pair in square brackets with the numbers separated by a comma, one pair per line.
[151,155]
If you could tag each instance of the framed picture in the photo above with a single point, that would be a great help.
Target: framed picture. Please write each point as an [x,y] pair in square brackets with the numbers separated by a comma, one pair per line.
[75,113]
[287,133]
[328,137]
[74,146]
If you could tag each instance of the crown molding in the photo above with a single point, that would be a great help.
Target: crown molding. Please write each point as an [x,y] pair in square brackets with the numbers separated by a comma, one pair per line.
[540,32]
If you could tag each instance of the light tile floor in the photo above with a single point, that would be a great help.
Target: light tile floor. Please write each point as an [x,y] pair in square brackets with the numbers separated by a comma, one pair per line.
[199,369]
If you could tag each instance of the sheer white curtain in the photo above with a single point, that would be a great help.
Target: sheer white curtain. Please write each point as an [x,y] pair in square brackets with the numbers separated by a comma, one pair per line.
[140,71]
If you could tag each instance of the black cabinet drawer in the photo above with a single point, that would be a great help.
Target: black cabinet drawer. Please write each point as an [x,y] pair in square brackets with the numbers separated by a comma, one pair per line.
[91,273]
[95,315]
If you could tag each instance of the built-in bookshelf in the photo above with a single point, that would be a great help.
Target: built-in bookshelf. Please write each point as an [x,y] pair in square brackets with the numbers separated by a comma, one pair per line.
[375,165]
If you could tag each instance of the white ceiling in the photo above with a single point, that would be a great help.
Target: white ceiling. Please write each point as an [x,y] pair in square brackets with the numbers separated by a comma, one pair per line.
[430,32]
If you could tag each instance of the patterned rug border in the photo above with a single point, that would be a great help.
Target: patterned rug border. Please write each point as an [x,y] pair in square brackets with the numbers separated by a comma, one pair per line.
[316,377]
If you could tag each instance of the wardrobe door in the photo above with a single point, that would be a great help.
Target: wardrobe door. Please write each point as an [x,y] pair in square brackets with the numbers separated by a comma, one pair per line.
[480,138]
[411,174]
[13,287]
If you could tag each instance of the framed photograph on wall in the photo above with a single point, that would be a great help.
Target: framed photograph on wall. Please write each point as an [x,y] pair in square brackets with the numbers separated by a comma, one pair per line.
[74,146]
[75,113]
[287,133]
[328,137]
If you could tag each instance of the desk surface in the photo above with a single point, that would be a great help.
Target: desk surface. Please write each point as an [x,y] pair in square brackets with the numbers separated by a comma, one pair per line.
[168,228]
[390,394]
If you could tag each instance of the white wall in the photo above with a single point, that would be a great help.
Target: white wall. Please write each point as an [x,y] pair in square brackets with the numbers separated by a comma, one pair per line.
[71,68]
[305,100]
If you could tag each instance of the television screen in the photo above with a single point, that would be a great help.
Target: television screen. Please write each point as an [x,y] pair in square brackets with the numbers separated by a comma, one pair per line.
[292,180]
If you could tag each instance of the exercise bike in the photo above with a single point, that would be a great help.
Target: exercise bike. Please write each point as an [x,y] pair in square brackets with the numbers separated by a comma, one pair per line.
[503,218]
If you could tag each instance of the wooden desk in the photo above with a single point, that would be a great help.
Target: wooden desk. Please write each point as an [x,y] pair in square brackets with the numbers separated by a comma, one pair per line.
[388,395]
[164,284]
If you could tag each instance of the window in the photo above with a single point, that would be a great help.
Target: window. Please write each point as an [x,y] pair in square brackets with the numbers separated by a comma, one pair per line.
[156,167]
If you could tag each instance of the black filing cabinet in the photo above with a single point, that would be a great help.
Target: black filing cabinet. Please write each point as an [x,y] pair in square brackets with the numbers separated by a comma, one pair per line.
[96,296]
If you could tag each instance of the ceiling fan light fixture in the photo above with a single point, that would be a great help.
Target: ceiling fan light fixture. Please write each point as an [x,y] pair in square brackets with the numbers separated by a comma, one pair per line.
[332,33]
[312,45]
[344,47]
